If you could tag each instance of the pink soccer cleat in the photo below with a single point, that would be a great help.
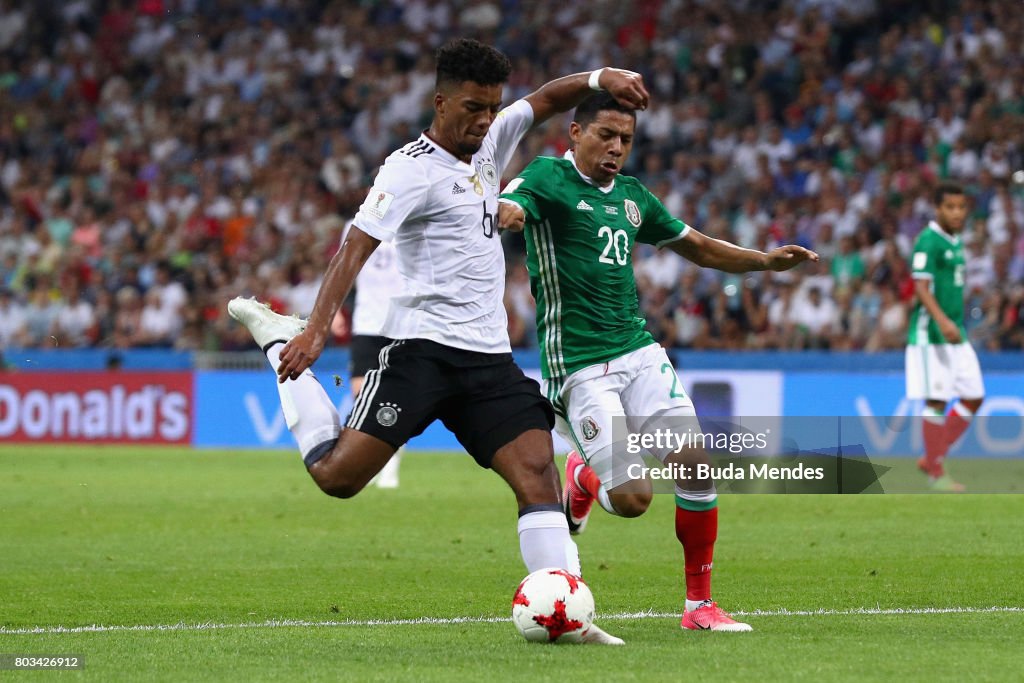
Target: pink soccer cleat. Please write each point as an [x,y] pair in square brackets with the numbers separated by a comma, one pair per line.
[576,500]
[710,617]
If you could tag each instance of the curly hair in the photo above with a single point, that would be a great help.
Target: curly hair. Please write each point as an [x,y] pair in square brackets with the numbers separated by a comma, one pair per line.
[944,188]
[588,109]
[464,59]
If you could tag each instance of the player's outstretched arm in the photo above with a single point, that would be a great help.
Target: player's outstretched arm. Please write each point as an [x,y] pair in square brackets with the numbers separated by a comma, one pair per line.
[562,94]
[303,350]
[708,252]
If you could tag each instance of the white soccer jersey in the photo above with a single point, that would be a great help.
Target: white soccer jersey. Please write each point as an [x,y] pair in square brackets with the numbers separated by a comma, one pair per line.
[442,214]
[376,283]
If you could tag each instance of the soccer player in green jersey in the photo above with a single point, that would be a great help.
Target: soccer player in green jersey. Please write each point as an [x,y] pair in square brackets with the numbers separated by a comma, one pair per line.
[582,219]
[941,365]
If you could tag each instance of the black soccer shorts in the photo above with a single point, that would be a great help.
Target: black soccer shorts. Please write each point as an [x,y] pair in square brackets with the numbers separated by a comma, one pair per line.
[482,398]
[363,353]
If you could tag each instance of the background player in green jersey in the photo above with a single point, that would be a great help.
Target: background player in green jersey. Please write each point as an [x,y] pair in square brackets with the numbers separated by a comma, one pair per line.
[598,360]
[941,365]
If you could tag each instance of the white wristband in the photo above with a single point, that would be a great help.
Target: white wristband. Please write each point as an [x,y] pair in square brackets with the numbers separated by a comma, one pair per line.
[595,76]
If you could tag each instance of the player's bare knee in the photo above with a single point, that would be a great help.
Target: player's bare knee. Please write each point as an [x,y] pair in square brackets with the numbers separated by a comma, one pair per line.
[538,465]
[689,456]
[631,504]
[527,465]
[335,483]
[972,404]
[535,481]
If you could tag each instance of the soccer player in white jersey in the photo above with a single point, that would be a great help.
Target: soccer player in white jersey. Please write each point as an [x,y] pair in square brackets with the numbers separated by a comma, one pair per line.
[598,360]
[376,282]
[437,199]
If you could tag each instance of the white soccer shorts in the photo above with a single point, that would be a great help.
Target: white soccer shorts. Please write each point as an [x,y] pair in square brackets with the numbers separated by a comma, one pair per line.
[637,386]
[943,372]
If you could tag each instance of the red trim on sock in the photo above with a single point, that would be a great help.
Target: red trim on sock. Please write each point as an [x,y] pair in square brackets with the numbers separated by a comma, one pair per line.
[588,479]
[697,532]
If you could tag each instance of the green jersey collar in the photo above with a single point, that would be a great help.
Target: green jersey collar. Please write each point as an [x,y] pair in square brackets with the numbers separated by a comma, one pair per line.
[952,239]
[572,158]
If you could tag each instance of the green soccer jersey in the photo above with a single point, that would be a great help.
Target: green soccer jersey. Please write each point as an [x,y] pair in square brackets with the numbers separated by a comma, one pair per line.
[939,258]
[579,242]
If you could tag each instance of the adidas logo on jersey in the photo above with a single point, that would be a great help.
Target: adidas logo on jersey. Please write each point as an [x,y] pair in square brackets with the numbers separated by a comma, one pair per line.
[458,189]
[583,206]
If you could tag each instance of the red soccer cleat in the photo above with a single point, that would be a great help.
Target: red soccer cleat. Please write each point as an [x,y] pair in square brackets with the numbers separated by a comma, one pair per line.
[575,499]
[710,617]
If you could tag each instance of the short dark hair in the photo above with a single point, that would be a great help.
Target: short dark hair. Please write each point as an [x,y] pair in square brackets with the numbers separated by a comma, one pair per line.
[464,59]
[588,109]
[947,187]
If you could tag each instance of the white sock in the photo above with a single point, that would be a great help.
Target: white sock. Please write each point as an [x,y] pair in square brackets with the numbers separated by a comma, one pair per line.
[705,496]
[544,540]
[318,421]
[693,604]
[963,411]
[387,478]
[604,501]
[602,493]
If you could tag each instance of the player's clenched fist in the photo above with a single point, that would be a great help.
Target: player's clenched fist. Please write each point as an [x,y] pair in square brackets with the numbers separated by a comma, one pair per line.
[625,86]
[511,216]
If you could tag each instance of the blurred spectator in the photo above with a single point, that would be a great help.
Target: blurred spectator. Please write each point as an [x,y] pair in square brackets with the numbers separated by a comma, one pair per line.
[156,327]
[689,319]
[890,332]
[40,317]
[127,330]
[302,295]
[847,265]
[816,318]
[12,320]
[522,323]
[75,321]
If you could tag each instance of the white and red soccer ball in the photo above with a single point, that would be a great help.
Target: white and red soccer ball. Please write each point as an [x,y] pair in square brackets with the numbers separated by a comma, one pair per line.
[553,606]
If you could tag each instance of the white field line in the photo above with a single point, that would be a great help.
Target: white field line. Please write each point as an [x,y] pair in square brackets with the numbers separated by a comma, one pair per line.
[302,623]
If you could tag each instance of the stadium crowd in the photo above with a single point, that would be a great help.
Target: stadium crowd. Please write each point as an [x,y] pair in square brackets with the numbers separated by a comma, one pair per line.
[158,157]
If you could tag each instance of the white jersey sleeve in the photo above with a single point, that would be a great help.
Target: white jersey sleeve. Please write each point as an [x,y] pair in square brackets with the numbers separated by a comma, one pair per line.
[398,193]
[508,129]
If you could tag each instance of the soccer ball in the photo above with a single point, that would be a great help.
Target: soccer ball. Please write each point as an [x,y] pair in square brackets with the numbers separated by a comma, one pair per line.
[553,606]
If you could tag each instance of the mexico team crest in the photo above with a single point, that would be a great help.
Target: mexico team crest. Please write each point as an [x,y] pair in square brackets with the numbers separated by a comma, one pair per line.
[589,428]
[633,213]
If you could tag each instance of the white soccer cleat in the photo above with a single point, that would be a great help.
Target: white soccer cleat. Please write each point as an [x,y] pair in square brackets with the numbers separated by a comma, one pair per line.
[266,327]
[599,637]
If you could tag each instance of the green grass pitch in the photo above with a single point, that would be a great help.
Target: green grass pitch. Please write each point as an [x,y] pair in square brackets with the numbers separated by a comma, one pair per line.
[225,547]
